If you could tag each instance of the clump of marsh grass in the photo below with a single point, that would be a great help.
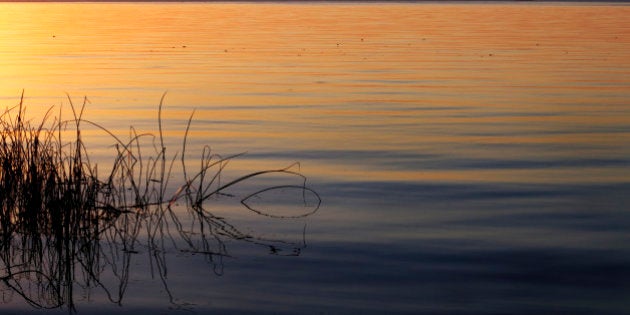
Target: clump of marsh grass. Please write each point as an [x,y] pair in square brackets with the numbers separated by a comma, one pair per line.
[48,197]
[46,185]
[60,219]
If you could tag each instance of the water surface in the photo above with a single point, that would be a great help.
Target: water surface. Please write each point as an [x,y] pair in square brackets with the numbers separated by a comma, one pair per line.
[471,158]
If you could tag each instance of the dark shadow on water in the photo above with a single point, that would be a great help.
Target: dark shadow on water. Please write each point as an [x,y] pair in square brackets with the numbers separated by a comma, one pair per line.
[64,227]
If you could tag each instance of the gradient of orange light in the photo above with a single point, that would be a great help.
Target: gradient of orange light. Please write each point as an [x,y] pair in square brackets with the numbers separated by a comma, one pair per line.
[345,49]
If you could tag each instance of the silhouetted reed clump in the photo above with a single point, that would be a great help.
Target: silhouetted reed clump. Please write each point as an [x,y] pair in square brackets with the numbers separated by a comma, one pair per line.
[46,185]
[62,224]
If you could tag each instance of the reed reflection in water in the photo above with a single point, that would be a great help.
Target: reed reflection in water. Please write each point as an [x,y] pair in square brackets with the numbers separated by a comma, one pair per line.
[64,227]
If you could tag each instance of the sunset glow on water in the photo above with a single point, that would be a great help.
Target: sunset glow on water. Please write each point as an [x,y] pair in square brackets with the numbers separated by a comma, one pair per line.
[471,158]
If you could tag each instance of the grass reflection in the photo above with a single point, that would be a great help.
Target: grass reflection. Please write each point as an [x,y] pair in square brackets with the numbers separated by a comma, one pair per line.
[64,227]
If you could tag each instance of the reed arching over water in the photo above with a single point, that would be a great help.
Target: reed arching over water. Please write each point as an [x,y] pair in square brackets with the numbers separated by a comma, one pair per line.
[64,224]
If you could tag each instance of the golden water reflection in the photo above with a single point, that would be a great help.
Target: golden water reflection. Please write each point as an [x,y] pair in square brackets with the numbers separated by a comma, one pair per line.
[490,82]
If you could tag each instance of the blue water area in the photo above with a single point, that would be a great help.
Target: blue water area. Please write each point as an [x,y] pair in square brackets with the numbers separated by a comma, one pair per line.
[476,249]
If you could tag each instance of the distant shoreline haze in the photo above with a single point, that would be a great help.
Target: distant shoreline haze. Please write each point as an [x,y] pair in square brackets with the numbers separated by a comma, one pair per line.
[338,1]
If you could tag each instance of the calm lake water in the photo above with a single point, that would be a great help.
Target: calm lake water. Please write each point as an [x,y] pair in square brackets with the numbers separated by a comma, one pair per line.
[471,158]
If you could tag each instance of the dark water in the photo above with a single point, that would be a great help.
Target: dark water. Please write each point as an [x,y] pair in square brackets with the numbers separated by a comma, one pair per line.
[470,158]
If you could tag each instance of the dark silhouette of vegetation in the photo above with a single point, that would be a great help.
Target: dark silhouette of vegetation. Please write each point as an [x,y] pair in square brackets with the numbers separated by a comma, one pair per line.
[63,225]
